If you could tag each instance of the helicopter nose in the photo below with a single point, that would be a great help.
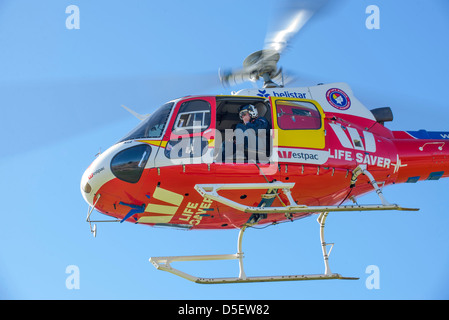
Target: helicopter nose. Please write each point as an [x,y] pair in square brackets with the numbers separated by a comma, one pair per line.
[97,174]
[124,161]
[89,185]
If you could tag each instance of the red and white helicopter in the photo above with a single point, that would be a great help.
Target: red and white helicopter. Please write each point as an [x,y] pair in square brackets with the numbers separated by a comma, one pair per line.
[322,148]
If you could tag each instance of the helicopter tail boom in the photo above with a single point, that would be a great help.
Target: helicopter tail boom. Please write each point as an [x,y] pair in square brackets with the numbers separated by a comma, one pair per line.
[422,155]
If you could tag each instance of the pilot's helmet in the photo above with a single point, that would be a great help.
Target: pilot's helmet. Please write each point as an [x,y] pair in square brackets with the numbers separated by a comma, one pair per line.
[250,109]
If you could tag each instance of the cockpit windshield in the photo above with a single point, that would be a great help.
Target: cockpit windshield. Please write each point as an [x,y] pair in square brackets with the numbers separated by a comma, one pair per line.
[153,126]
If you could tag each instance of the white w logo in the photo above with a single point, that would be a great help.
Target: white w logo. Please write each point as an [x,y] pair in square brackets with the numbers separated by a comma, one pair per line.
[354,141]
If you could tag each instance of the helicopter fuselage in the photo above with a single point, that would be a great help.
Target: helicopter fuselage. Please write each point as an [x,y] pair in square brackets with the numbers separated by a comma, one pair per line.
[317,137]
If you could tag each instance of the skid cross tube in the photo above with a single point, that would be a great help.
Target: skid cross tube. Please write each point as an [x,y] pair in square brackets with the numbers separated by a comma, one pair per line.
[210,191]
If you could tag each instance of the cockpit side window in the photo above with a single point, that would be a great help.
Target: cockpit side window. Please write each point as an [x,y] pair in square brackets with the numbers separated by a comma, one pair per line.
[128,165]
[193,116]
[153,126]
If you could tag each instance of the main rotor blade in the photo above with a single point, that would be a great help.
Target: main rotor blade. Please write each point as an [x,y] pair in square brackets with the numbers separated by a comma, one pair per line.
[43,113]
[293,15]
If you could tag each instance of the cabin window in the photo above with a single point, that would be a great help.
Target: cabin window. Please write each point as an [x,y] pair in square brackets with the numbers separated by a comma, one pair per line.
[297,115]
[193,116]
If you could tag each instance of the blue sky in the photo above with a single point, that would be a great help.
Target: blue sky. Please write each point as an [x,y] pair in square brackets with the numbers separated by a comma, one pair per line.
[60,97]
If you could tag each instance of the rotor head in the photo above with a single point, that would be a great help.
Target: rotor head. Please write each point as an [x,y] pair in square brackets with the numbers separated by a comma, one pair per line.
[263,63]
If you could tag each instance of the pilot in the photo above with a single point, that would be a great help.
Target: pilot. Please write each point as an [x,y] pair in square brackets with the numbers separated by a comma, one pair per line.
[249,115]
[249,142]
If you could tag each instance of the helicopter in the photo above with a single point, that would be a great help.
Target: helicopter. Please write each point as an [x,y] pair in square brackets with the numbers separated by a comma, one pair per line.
[322,147]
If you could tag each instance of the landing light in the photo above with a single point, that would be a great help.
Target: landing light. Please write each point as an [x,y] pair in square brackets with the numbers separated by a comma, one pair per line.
[87,188]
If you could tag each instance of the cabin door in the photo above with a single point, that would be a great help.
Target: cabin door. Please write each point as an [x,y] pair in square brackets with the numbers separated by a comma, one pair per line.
[298,123]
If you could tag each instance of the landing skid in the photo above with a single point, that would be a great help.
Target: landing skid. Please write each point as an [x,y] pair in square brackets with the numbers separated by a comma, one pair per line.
[210,191]
[164,264]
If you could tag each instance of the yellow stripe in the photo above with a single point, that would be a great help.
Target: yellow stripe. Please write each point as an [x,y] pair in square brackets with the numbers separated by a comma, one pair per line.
[157,208]
[155,219]
[168,196]
[165,212]
[156,143]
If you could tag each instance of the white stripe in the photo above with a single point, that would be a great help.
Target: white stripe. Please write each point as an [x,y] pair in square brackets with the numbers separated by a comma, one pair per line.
[341,136]
[358,144]
[370,143]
